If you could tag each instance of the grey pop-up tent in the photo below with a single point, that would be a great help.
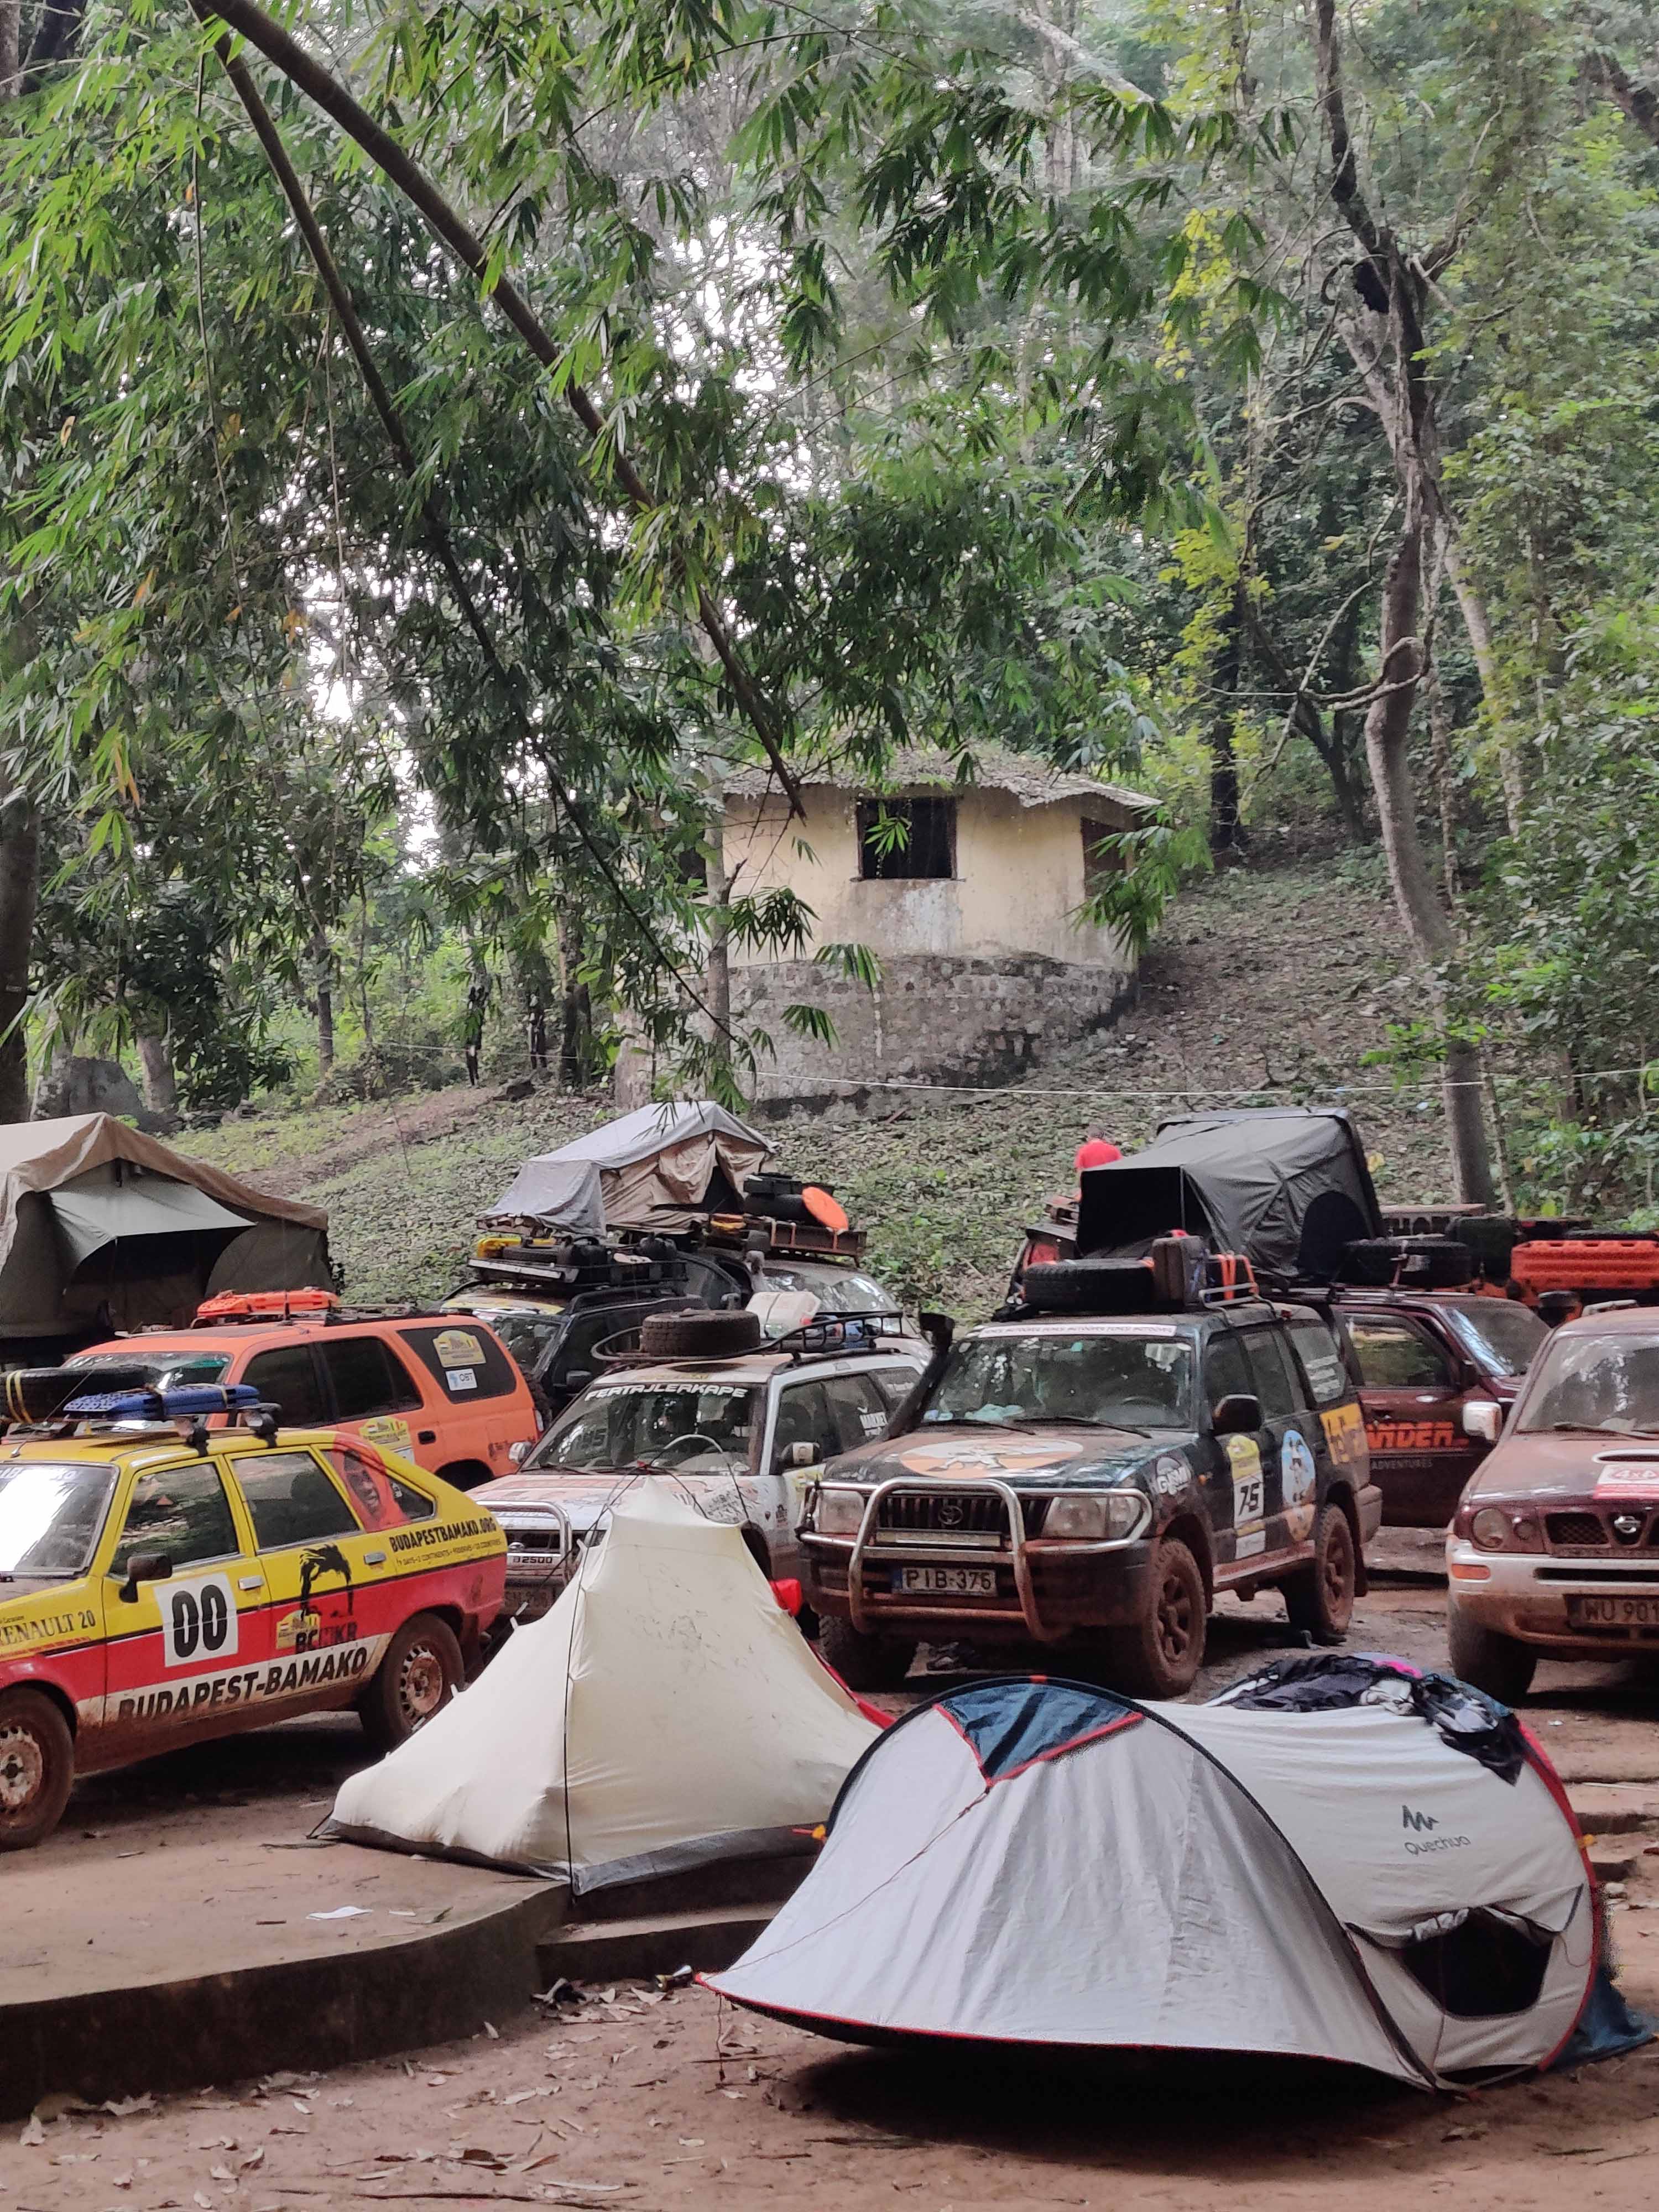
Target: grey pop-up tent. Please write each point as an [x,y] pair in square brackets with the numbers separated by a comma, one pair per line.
[1396,1885]
[649,1170]
[1287,1186]
[102,1228]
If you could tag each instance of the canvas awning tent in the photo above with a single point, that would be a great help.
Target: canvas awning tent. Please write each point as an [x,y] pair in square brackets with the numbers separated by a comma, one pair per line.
[1288,1188]
[1040,1861]
[665,1714]
[103,1227]
[647,1169]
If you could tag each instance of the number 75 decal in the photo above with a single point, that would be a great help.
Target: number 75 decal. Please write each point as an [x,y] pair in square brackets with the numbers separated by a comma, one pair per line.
[199,1620]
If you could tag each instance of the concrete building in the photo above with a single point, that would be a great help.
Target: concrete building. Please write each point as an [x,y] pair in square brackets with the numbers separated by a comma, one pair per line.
[975,918]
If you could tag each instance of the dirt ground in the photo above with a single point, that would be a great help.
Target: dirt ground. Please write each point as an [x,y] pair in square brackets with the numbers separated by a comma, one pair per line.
[639,2097]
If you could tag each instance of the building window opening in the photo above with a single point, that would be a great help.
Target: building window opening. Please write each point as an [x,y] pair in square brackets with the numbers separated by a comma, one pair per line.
[1102,856]
[902,840]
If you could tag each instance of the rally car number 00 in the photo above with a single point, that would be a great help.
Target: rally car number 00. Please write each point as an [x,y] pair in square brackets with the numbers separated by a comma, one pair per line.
[199,1620]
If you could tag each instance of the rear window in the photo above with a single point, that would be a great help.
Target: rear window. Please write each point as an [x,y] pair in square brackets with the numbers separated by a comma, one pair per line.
[367,1379]
[1322,1362]
[467,1362]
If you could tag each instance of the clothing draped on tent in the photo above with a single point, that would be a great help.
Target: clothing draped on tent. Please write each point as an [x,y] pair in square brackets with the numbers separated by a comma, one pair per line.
[649,1170]
[1041,1862]
[666,1713]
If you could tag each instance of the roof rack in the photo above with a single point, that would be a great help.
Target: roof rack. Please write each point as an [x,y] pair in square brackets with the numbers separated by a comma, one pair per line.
[185,1411]
[830,1339]
[571,1264]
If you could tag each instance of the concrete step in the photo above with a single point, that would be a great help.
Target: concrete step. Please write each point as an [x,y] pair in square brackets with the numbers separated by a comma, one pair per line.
[1615,1809]
[621,1950]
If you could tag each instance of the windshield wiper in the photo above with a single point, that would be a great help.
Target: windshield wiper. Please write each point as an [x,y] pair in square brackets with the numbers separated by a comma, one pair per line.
[1597,1429]
[1085,1421]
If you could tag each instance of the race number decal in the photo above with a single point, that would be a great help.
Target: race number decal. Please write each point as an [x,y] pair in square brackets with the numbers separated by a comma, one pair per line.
[199,1620]
[1249,1525]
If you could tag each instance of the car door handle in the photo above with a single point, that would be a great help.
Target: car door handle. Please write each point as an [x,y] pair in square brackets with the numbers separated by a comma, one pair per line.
[251,1581]
[426,1436]
[373,1558]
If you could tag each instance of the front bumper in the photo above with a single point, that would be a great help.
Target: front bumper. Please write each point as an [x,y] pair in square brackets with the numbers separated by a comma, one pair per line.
[1045,1588]
[1538,1598]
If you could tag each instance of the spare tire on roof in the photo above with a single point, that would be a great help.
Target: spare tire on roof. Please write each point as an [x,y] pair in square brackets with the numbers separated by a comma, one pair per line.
[1415,1263]
[699,1335]
[1068,1286]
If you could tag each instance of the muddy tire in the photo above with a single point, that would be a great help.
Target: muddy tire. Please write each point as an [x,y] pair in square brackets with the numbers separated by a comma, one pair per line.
[37,1766]
[866,1663]
[1159,1655]
[1500,1665]
[699,1334]
[422,1671]
[1319,1597]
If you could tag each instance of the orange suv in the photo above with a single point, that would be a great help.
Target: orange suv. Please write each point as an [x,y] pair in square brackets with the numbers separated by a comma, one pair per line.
[447,1394]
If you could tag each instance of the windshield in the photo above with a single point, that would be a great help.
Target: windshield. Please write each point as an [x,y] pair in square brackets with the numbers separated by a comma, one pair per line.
[163,1370]
[697,1429]
[838,1290]
[50,1516]
[1502,1335]
[1604,1383]
[1100,1380]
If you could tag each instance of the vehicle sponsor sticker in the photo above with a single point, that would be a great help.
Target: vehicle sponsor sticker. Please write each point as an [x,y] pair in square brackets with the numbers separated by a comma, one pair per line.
[1326,1377]
[1632,1479]
[1299,1478]
[199,1620]
[1413,1435]
[1249,1525]
[385,1429]
[949,1455]
[250,1686]
[461,1378]
[47,1628]
[1345,1434]
[1171,1475]
[458,1348]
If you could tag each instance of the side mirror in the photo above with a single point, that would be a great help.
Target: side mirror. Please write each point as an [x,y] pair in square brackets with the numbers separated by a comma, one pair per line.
[145,1567]
[519,1453]
[801,1455]
[940,1330]
[1483,1419]
[1235,1413]
[579,1378]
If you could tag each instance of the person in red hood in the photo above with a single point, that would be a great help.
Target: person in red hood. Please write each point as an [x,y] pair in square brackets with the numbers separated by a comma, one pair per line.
[1096,1151]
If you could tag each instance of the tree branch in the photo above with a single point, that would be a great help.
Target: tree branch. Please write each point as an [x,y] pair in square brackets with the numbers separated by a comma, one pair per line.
[1344,166]
[1640,104]
[286,55]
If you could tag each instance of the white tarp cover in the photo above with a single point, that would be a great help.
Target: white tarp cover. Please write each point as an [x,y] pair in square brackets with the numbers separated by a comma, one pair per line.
[1048,1863]
[640,1171]
[667,1712]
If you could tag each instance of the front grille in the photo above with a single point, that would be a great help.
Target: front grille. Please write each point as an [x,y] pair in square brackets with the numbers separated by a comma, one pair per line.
[974,1513]
[1574,1531]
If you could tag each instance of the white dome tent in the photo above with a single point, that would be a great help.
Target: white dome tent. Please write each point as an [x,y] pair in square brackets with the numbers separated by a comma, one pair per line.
[1037,1862]
[665,1714]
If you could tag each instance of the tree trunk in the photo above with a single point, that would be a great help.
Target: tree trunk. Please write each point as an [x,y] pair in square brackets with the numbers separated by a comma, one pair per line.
[322,961]
[19,873]
[161,1080]
[1227,833]
[1473,608]
[1387,727]
[719,958]
[11,57]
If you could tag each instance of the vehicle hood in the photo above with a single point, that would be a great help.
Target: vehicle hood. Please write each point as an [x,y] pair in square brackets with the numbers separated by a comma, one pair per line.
[581,1498]
[1038,1459]
[1564,1466]
[32,1586]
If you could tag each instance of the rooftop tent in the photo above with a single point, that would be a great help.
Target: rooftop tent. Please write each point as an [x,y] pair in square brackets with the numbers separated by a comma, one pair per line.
[102,1227]
[1039,1862]
[647,1169]
[665,1714]
[1288,1187]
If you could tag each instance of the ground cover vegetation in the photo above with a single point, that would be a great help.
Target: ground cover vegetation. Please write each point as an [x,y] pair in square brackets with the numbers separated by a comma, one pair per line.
[436,445]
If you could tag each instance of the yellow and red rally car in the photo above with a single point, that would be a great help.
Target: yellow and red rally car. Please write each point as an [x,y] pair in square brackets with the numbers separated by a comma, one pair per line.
[162,1582]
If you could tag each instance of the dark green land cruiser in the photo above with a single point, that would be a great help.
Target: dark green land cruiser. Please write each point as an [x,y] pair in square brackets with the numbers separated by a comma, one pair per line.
[1098,1476]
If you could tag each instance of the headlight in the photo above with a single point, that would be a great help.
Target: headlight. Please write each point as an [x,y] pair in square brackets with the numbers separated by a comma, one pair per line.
[838,1512]
[1097,1519]
[1489,1528]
